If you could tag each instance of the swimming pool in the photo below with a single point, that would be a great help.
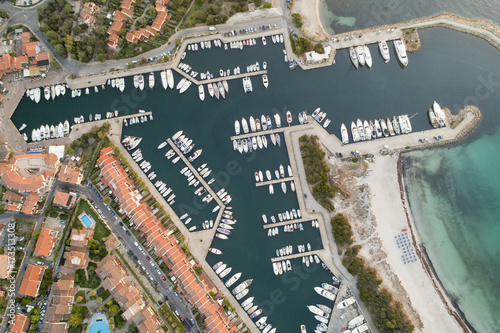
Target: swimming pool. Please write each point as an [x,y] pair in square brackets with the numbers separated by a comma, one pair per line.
[99,323]
[86,220]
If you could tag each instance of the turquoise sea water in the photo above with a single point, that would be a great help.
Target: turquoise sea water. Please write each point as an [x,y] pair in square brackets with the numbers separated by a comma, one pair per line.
[451,67]
[340,16]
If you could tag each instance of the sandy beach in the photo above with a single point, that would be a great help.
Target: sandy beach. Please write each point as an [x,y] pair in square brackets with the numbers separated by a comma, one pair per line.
[377,215]
[309,10]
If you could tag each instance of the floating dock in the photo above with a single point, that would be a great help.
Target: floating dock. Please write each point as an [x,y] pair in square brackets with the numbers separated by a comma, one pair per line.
[297,255]
[258,133]
[274,181]
[220,78]
[201,179]
[280,224]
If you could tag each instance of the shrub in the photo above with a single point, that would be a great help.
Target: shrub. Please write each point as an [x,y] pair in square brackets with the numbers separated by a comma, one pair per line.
[297,20]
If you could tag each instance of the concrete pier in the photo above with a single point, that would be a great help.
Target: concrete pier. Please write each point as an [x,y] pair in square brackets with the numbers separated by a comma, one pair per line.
[274,181]
[220,78]
[297,255]
[200,178]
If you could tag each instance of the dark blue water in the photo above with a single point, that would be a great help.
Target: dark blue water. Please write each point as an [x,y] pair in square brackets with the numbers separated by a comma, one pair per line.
[451,67]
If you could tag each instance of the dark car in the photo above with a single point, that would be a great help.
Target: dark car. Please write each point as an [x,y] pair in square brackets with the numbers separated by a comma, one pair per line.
[121,224]
[128,233]
[130,252]
[135,258]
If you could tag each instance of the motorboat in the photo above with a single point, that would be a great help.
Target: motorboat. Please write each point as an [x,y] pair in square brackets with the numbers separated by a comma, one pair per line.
[252,124]
[325,293]
[368,56]
[265,81]
[390,128]
[367,129]
[343,132]
[395,125]
[354,57]
[432,118]
[201,92]
[140,82]
[378,128]
[345,303]
[438,112]
[289,118]
[384,50]
[210,89]
[151,80]
[164,83]
[354,132]
[360,53]
[277,120]
[401,52]
[361,129]
[326,123]
[383,125]
[283,187]
[170,79]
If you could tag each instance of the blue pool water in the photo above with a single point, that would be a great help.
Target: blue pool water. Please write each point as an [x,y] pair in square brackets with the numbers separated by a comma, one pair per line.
[99,325]
[86,220]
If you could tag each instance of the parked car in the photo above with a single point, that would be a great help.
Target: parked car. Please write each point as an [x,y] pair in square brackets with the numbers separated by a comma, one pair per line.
[163,278]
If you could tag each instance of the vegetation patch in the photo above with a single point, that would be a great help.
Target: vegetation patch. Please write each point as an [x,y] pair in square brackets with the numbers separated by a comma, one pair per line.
[388,315]
[300,45]
[92,282]
[297,20]
[103,293]
[316,170]
[172,319]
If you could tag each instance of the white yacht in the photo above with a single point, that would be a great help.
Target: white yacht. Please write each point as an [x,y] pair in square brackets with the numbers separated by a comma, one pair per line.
[384,50]
[201,92]
[140,82]
[151,80]
[170,79]
[265,81]
[360,53]
[368,56]
[164,83]
[401,51]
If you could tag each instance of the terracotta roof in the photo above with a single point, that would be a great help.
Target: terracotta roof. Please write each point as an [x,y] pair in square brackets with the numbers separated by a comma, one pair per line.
[76,259]
[21,324]
[164,245]
[12,197]
[55,328]
[29,206]
[30,49]
[70,174]
[46,242]
[31,280]
[63,199]
[25,37]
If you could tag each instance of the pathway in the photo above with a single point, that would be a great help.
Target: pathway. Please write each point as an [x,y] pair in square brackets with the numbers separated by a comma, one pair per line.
[274,181]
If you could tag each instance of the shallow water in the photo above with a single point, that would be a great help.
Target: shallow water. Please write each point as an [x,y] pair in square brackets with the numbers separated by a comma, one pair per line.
[453,75]
[340,16]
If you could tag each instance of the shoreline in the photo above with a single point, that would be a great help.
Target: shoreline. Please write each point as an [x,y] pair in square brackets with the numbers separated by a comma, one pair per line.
[448,302]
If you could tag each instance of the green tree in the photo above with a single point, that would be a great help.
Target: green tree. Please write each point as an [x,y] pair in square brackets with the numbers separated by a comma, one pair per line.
[113,309]
[99,300]
[297,20]
[79,299]
[151,11]
[319,48]
[75,319]
[268,5]
[51,35]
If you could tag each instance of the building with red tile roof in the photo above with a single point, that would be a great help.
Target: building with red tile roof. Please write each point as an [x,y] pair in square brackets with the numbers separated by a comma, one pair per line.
[25,37]
[30,172]
[46,242]
[4,266]
[164,244]
[30,205]
[21,324]
[70,174]
[32,278]
[87,14]
[12,197]
[64,200]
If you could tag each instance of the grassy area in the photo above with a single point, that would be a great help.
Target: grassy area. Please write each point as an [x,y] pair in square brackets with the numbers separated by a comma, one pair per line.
[93,281]
[119,321]
[100,231]
[172,319]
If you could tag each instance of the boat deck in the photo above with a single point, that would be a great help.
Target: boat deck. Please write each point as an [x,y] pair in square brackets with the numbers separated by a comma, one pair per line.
[296,255]
[220,78]
[274,181]
[200,178]
[280,224]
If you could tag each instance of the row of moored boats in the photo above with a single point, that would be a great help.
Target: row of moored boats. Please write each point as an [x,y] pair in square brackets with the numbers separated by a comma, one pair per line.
[46,132]
[361,55]
[368,130]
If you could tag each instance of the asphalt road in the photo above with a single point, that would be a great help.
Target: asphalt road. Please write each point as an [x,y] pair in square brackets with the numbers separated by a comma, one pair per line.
[127,242]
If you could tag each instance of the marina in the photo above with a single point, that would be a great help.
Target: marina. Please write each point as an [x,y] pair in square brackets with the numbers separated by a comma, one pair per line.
[241,185]
[274,181]
[218,79]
